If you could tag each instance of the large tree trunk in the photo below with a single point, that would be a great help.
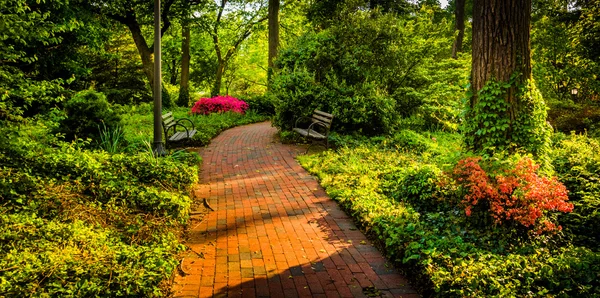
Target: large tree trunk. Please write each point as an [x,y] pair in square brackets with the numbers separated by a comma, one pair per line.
[184,91]
[459,17]
[510,110]
[273,30]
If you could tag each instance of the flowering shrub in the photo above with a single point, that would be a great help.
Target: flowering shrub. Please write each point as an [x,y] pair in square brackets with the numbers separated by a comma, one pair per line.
[516,194]
[219,104]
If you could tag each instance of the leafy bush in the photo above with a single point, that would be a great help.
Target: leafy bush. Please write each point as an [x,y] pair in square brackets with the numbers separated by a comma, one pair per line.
[85,112]
[513,192]
[364,70]
[219,104]
[567,116]
[262,104]
[577,164]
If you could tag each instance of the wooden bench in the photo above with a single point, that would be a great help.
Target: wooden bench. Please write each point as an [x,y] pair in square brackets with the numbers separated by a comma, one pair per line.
[318,129]
[170,125]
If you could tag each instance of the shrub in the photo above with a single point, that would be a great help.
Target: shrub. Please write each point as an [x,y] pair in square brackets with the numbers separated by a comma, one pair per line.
[511,193]
[262,104]
[577,164]
[219,104]
[421,186]
[85,113]
[87,223]
[367,71]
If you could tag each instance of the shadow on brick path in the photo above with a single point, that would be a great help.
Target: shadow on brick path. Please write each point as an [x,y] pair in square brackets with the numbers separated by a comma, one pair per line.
[274,231]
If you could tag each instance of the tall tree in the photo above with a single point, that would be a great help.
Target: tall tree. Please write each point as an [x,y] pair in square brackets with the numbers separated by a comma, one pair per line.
[506,110]
[273,31]
[459,18]
[133,14]
[184,87]
[235,21]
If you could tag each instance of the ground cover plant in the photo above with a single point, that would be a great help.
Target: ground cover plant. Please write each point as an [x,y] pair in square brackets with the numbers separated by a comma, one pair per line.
[77,222]
[406,191]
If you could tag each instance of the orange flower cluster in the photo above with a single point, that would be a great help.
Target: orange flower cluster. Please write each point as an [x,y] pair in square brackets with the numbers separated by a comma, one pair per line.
[518,194]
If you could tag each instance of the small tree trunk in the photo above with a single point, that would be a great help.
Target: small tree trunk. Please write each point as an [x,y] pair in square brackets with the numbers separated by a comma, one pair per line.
[459,16]
[144,51]
[184,92]
[174,72]
[147,59]
[219,78]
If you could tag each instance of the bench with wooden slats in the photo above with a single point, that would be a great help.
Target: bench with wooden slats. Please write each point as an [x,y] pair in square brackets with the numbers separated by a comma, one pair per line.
[170,127]
[318,129]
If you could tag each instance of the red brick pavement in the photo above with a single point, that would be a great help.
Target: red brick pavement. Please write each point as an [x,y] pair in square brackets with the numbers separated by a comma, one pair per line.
[274,231]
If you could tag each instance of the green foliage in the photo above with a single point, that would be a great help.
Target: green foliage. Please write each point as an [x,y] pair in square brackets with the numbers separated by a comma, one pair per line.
[85,111]
[489,127]
[564,46]
[83,223]
[261,104]
[567,116]
[183,100]
[577,164]
[397,197]
[364,70]
[111,140]
[138,124]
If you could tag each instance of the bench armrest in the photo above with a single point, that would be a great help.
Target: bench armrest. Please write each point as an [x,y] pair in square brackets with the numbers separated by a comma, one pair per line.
[310,127]
[300,118]
[186,119]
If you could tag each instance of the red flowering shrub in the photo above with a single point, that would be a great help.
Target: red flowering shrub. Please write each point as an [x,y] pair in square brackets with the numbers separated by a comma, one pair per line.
[219,104]
[516,194]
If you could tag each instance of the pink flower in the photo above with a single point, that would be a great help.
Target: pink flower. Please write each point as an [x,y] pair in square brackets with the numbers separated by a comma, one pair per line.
[219,104]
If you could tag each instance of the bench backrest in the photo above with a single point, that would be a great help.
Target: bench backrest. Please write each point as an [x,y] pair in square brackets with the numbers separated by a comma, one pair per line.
[322,117]
[168,120]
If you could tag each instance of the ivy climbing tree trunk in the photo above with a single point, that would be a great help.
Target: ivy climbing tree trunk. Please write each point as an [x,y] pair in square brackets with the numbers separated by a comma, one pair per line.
[506,110]
[459,17]
[184,88]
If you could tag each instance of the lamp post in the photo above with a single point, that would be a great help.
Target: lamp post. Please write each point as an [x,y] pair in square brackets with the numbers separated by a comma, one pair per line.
[159,148]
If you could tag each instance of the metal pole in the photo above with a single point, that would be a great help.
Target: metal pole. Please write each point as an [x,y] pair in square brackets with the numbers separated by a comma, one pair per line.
[159,148]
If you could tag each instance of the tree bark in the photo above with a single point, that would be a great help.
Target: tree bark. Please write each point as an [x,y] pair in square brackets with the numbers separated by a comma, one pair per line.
[459,17]
[219,77]
[273,30]
[501,53]
[500,42]
[184,93]
[143,49]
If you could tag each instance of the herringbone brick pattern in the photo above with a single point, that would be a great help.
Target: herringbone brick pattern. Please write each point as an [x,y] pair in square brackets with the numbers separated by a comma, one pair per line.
[274,231]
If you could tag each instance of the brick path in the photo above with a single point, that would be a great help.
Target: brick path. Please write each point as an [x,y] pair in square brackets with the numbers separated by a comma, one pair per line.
[274,231]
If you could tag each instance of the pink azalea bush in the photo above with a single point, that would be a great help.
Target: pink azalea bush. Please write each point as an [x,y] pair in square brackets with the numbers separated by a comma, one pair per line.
[219,104]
